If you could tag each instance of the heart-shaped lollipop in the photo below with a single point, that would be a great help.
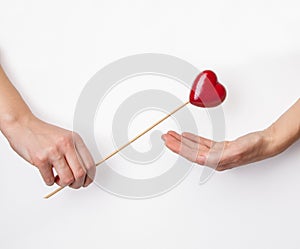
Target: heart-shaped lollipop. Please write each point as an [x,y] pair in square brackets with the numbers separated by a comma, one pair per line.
[207,91]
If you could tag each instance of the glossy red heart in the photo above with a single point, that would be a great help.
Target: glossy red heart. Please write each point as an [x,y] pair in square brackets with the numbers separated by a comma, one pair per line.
[207,91]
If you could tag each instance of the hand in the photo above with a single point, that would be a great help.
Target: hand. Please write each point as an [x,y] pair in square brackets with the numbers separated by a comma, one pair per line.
[46,147]
[221,155]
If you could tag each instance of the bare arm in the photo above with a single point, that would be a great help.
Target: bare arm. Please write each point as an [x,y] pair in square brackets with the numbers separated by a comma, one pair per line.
[250,148]
[286,130]
[12,106]
[41,144]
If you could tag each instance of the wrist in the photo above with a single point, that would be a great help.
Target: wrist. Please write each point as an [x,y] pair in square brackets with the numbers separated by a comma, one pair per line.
[10,122]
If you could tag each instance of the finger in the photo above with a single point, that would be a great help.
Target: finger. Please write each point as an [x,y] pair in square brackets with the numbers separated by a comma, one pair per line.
[182,139]
[175,135]
[77,168]
[201,140]
[47,174]
[172,143]
[190,143]
[86,159]
[65,175]
[192,152]
[193,145]
[180,148]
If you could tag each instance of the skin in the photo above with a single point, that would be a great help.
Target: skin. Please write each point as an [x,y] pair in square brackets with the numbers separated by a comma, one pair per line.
[244,150]
[43,145]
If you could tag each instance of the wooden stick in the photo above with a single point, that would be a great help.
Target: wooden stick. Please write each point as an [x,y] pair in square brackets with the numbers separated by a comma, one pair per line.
[125,145]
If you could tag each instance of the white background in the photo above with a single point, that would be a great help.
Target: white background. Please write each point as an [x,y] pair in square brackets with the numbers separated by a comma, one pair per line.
[50,49]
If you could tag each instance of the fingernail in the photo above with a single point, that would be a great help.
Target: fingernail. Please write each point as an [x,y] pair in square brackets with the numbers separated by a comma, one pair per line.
[163,137]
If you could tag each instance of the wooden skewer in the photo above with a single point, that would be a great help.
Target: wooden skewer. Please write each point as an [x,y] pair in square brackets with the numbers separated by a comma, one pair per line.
[125,145]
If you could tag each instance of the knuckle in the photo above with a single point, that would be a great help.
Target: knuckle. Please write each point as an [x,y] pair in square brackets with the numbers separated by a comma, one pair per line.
[65,141]
[75,134]
[67,180]
[80,173]
[52,151]
[91,165]
[39,159]
[54,154]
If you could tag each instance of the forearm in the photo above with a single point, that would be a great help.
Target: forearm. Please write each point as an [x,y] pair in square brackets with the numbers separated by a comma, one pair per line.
[285,131]
[13,109]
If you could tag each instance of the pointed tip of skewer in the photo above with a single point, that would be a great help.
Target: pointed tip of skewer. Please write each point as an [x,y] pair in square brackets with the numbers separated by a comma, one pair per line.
[46,196]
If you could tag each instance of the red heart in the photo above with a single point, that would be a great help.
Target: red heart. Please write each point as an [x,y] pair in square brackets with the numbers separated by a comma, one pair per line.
[207,91]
